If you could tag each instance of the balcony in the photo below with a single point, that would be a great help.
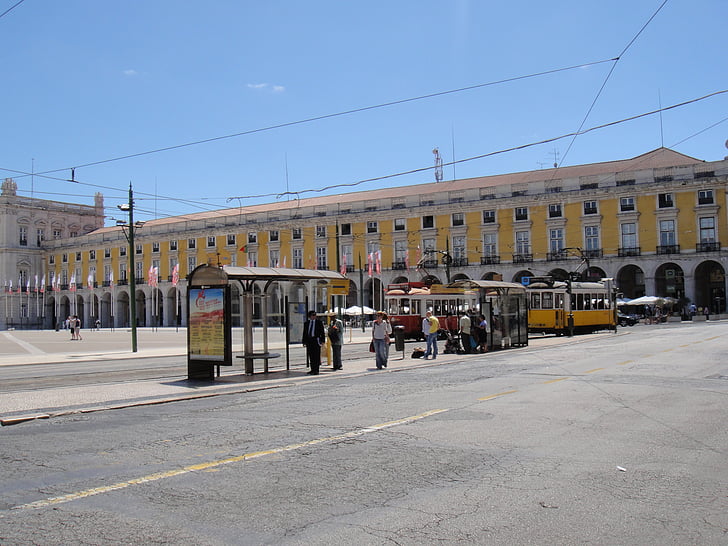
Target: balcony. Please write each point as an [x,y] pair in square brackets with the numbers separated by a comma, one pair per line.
[349,268]
[522,258]
[490,260]
[629,251]
[594,253]
[430,263]
[707,247]
[399,266]
[459,262]
[558,255]
[668,249]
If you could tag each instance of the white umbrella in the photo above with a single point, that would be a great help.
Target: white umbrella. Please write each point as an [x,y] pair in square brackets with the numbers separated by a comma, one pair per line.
[647,300]
[356,310]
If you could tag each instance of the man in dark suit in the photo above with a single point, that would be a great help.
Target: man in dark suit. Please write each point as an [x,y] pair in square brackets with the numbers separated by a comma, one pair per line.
[313,337]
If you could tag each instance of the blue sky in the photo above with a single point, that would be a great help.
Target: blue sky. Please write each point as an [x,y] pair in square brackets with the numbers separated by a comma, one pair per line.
[88,81]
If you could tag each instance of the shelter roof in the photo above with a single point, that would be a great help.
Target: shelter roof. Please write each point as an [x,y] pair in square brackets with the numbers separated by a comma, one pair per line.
[279,274]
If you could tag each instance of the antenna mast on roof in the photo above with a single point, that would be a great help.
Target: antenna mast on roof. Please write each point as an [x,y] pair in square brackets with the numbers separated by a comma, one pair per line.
[438,165]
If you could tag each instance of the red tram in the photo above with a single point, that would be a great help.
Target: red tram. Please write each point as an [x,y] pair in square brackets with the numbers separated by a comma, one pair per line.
[407,303]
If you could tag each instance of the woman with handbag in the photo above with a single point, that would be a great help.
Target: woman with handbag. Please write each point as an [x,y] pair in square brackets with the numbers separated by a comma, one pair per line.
[381,332]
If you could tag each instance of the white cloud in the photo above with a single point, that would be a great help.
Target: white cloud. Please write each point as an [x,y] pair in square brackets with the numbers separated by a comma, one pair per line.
[130,72]
[267,86]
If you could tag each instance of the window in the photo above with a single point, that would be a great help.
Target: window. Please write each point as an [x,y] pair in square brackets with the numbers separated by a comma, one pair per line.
[73,234]
[398,203]
[589,186]
[211,241]
[428,245]
[155,247]
[321,232]
[296,233]
[122,271]
[274,258]
[107,253]
[321,262]
[173,245]
[428,222]
[347,257]
[490,244]
[274,235]
[521,213]
[51,259]
[556,240]
[298,258]
[23,234]
[372,227]
[64,258]
[489,217]
[458,219]
[346,229]
[590,207]
[400,224]
[400,254]
[252,259]
[370,206]
[122,251]
[707,229]
[626,204]
[191,263]
[667,232]
[231,239]
[629,235]
[139,272]
[252,237]
[56,233]
[555,210]
[664,200]
[78,256]
[591,237]
[705,197]
[523,244]
[459,252]
[40,236]
[91,254]
[191,243]
[139,248]
[456,197]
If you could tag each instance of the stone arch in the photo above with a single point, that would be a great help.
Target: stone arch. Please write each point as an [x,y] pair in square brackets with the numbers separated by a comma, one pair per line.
[520,274]
[429,280]
[491,276]
[400,279]
[631,281]
[594,273]
[670,281]
[710,287]
[460,277]
[559,274]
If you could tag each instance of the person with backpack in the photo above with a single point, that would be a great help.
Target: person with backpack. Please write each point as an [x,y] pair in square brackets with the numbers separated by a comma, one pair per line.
[430,327]
[336,338]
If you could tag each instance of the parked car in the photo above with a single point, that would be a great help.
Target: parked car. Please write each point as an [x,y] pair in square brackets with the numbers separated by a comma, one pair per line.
[626,320]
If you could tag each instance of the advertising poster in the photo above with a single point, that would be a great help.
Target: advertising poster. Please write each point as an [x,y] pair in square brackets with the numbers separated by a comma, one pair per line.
[207,324]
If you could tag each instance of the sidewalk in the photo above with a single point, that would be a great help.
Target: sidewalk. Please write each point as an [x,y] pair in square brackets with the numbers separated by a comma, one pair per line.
[35,347]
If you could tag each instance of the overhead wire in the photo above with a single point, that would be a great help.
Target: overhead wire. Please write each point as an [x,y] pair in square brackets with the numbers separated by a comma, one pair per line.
[608,76]
[11,8]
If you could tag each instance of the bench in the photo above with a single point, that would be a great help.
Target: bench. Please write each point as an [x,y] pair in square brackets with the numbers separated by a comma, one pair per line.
[265,357]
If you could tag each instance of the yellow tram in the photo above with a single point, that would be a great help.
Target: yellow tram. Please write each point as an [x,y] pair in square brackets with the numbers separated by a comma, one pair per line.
[553,305]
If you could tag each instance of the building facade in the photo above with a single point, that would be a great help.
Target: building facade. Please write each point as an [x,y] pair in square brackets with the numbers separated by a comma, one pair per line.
[656,223]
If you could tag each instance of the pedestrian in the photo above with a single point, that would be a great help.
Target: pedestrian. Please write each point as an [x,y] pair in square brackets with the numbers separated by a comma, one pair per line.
[68,323]
[336,337]
[381,330]
[313,337]
[76,328]
[465,332]
[430,327]
[706,312]
[482,333]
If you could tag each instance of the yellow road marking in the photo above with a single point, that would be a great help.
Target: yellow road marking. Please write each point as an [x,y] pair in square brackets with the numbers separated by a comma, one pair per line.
[594,370]
[712,338]
[207,466]
[555,380]
[496,395]
[625,362]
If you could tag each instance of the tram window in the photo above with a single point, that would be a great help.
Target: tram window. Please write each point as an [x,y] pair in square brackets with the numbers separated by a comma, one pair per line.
[547,300]
[580,302]
[559,301]
[536,301]
[415,310]
[404,306]
[587,301]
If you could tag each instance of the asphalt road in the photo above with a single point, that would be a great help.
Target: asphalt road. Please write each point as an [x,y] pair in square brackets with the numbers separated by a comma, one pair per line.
[607,440]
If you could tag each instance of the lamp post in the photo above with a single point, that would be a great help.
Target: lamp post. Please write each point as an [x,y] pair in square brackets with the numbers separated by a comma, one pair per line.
[129,230]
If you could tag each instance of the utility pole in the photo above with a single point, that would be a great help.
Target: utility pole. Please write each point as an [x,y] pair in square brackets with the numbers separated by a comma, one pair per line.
[361,293]
[129,230]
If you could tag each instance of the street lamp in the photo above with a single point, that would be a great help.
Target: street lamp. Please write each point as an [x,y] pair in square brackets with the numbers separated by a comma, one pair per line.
[129,229]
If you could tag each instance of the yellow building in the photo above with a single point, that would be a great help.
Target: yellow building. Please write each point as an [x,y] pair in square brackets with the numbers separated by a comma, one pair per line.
[654,223]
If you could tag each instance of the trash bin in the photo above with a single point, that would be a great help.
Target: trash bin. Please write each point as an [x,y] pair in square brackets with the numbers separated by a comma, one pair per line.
[399,338]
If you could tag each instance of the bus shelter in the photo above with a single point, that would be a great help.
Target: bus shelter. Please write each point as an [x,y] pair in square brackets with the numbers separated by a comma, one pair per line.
[505,306]
[209,321]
